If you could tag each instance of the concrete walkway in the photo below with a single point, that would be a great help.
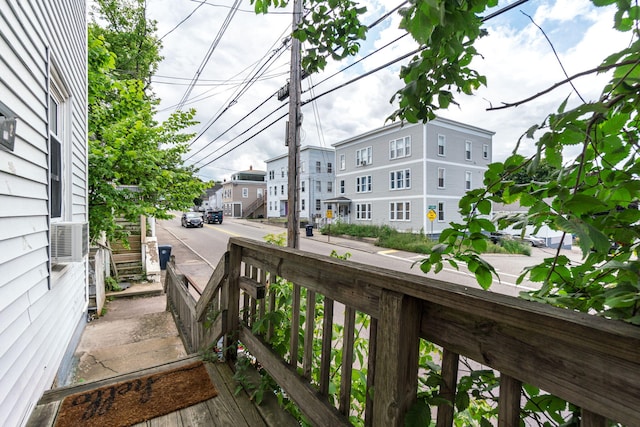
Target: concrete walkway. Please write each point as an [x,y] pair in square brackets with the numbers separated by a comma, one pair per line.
[135,332]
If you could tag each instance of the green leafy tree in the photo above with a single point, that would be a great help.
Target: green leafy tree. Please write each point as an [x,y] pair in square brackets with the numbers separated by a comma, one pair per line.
[135,162]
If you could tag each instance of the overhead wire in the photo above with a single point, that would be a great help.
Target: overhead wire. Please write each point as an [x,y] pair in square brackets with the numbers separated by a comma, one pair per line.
[313,98]
[212,48]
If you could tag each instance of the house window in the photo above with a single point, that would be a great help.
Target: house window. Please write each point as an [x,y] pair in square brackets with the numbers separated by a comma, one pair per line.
[363,211]
[245,193]
[317,204]
[400,211]
[363,184]
[400,147]
[329,168]
[467,150]
[318,167]
[364,156]
[55,153]
[467,180]
[342,186]
[302,204]
[485,151]
[440,177]
[399,180]
[440,211]
[282,189]
[343,162]
[329,186]
[302,166]
[302,186]
[441,145]
[318,186]
[281,172]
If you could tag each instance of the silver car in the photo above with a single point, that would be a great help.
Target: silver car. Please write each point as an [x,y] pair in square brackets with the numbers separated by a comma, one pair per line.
[534,241]
[192,219]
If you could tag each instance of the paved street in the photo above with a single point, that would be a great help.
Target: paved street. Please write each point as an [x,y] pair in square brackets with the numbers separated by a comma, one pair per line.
[204,247]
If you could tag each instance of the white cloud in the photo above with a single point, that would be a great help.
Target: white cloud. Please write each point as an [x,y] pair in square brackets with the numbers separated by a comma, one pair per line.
[518,63]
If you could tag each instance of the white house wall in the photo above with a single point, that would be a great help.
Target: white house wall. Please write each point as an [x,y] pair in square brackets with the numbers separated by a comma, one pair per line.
[41,311]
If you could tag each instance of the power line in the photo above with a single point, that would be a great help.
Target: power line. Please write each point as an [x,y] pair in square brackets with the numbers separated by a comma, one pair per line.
[183,21]
[213,46]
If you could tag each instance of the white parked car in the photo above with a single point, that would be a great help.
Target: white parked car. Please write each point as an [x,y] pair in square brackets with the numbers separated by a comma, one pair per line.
[534,241]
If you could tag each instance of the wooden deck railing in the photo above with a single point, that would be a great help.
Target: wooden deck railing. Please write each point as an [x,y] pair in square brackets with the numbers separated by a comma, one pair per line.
[591,362]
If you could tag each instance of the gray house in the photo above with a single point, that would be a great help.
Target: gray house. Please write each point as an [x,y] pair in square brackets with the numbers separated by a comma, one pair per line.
[43,197]
[317,174]
[243,194]
[396,175]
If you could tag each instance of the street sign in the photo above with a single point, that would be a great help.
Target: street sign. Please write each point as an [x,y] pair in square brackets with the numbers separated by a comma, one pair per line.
[329,213]
[432,207]
[431,215]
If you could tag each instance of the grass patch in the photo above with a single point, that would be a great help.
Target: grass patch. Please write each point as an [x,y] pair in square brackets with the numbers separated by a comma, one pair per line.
[420,243]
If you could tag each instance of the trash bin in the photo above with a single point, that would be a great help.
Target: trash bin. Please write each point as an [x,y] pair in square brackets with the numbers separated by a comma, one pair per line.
[165,254]
[309,228]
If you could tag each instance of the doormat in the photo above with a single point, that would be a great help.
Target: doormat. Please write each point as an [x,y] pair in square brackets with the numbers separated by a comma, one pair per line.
[131,402]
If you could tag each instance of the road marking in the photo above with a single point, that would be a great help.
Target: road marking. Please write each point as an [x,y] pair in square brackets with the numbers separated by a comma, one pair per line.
[223,231]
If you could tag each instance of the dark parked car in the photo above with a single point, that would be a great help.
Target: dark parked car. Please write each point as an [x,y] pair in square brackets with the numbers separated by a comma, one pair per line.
[192,219]
[213,216]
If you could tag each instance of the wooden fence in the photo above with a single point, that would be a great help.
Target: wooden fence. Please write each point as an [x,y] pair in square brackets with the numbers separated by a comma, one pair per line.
[591,362]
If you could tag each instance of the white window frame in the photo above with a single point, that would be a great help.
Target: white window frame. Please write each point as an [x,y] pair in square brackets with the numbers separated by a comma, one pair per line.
[364,184]
[467,180]
[318,205]
[400,179]
[59,148]
[302,186]
[364,156]
[400,147]
[363,211]
[318,167]
[485,151]
[400,211]
[319,186]
[302,204]
[441,212]
[342,188]
[468,155]
[442,145]
[329,167]
[442,178]
[329,186]
[343,162]
[245,193]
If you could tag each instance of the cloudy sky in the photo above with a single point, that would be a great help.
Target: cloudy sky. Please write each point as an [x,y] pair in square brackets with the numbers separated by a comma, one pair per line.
[240,63]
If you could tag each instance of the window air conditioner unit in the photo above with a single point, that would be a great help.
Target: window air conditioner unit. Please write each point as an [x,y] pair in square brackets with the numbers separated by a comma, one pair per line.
[69,241]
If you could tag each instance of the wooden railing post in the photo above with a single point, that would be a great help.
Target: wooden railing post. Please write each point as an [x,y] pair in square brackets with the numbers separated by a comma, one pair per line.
[397,357]
[509,401]
[450,362]
[231,298]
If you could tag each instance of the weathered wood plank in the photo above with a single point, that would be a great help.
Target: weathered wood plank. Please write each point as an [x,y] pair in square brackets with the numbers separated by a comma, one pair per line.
[589,419]
[253,288]
[396,373]
[295,326]
[44,415]
[371,371]
[232,303]
[509,401]
[314,408]
[448,389]
[572,364]
[327,337]
[348,338]
[309,327]
[218,277]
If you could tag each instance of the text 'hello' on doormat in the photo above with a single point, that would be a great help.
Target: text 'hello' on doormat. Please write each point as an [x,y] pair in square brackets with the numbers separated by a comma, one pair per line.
[131,402]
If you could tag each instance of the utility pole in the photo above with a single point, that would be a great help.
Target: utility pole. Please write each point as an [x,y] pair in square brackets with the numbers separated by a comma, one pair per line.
[293,134]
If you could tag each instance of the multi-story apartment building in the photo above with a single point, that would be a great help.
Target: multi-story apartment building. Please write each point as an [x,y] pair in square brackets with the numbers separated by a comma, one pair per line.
[317,180]
[243,194]
[396,174]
